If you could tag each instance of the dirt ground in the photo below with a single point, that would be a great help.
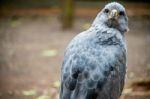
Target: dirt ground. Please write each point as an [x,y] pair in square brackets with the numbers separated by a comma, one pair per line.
[31,50]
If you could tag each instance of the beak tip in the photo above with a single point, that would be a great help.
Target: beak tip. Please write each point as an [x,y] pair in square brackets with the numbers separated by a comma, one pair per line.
[113,14]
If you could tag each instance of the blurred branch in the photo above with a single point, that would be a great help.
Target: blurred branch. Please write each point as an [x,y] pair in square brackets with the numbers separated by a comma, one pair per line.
[67,13]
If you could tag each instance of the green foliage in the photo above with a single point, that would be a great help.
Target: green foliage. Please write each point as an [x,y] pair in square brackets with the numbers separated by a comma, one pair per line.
[49,53]
[29,92]
[29,3]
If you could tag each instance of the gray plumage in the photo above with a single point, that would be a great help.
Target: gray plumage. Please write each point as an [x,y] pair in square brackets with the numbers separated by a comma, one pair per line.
[94,63]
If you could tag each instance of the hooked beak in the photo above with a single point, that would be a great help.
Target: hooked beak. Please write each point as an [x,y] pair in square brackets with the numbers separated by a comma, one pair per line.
[113,14]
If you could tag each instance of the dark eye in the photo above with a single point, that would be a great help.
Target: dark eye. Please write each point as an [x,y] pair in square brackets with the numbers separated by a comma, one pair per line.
[106,11]
[121,13]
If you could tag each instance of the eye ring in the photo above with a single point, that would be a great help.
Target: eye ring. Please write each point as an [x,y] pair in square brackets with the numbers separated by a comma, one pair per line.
[121,13]
[106,11]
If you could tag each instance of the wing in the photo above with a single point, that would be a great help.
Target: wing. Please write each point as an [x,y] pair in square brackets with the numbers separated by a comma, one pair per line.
[84,70]
[122,58]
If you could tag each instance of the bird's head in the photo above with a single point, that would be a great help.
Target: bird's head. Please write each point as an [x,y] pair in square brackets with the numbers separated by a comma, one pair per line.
[113,15]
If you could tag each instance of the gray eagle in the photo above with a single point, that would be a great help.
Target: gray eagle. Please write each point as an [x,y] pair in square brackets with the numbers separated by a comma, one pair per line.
[94,65]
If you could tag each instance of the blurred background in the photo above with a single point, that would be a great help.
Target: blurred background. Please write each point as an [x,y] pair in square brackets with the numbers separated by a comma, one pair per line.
[35,33]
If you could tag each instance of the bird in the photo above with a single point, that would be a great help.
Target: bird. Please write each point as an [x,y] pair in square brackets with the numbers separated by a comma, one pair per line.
[95,61]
